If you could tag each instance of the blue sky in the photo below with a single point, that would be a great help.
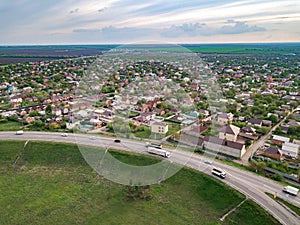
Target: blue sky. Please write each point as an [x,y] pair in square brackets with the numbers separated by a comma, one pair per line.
[129,21]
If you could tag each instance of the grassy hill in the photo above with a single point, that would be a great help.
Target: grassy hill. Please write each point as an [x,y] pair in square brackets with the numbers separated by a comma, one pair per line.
[50,183]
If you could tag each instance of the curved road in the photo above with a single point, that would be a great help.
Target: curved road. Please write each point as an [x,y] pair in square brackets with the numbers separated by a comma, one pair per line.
[250,184]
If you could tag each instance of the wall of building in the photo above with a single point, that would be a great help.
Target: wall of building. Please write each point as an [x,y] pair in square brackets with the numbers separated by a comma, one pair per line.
[225,149]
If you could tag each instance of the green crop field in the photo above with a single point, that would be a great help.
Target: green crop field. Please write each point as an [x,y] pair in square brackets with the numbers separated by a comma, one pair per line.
[50,183]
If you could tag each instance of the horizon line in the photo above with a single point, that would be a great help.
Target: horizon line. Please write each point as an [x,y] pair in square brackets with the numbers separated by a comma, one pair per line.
[201,43]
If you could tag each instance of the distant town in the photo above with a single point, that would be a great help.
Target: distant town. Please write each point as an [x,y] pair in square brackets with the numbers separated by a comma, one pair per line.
[261,93]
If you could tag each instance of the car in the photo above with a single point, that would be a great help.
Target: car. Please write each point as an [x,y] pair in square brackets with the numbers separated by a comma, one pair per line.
[92,138]
[64,135]
[19,132]
[117,140]
[207,162]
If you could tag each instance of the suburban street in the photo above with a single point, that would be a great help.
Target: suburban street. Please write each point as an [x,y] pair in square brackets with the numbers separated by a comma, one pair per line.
[250,184]
[261,141]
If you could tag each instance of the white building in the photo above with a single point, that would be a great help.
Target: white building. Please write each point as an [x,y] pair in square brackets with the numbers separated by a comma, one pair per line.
[290,149]
[159,127]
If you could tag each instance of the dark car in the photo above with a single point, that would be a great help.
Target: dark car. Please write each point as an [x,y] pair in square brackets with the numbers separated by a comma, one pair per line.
[117,141]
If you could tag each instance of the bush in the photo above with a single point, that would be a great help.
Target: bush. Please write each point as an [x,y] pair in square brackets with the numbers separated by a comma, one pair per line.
[277,177]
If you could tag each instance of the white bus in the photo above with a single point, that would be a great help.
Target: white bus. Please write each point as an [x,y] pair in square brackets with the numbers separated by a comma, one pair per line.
[158,151]
[218,172]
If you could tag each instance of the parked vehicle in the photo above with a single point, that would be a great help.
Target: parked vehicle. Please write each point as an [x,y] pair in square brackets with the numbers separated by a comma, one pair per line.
[158,151]
[290,190]
[19,132]
[218,172]
[153,145]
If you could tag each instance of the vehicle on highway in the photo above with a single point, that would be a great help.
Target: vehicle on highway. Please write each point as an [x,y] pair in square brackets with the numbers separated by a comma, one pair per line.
[153,145]
[207,162]
[290,190]
[218,172]
[159,151]
[19,132]
[64,135]
[117,140]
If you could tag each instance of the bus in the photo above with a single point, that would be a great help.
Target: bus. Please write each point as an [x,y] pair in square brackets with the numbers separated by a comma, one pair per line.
[158,151]
[218,172]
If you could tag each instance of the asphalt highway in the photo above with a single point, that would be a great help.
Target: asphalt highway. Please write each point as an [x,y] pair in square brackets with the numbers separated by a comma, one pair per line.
[250,184]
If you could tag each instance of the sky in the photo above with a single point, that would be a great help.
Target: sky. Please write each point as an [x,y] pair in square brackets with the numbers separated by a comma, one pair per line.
[139,21]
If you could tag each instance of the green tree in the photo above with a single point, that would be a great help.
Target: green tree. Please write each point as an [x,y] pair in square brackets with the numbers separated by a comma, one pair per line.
[273,118]
[48,109]
[277,177]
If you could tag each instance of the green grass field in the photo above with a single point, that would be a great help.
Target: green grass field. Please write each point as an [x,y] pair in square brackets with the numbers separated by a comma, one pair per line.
[52,184]
[10,126]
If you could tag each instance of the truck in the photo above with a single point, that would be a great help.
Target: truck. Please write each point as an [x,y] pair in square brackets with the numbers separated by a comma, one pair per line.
[153,145]
[218,172]
[19,132]
[158,151]
[290,190]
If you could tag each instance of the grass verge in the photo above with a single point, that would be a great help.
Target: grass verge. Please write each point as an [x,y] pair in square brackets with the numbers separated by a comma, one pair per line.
[289,205]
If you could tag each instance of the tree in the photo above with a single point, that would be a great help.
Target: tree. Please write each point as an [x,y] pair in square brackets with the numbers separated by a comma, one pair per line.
[33,113]
[48,110]
[294,130]
[257,166]
[278,130]
[54,125]
[273,118]
[277,176]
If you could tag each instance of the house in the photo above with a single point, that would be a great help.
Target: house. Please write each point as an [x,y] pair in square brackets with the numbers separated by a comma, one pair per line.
[293,123]
[273,152]
[248,130]
[230,148]
[224,118]
[205,113]
[229,132]
[290,149]
[195,131]
[284,129]
[267,123]
[254,122]
[279,140]
[159,127]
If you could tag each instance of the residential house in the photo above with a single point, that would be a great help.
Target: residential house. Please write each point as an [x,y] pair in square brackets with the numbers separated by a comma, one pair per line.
[273,152]
[290,149]
[254,122]
[267,123]
[159,127]
[284,129]
[248,133]
[195,131]
[279,140]
[229,132]
[224,118]
[230,148]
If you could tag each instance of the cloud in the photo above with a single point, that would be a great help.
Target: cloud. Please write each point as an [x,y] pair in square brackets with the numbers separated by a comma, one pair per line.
[196,29]
[239,28]
[189,30]
[74,11]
